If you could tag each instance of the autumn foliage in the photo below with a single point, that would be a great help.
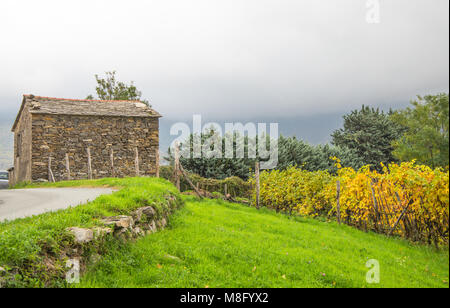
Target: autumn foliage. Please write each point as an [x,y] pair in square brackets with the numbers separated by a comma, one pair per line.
[407,200]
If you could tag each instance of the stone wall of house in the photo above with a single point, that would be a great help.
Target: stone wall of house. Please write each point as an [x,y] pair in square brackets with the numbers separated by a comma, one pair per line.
[106,137]
[22,149]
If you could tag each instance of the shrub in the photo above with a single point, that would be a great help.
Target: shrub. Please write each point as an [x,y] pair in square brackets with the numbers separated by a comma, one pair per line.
[296,190]
[414,198]
[376,201]
[236,186]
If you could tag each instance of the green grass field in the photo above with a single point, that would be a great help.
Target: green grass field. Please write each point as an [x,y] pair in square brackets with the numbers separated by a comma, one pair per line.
[217,244]
[212,243]
[25,243]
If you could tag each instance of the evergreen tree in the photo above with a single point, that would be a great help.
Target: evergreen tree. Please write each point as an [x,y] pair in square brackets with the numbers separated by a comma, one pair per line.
[217,168]
[294,152]
[369,133]
[291,152]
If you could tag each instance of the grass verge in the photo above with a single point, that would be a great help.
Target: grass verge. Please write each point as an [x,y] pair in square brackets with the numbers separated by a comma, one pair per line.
[30,246]
[212,243]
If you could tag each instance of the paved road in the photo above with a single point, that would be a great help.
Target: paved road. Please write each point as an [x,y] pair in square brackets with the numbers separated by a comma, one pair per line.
[18,203]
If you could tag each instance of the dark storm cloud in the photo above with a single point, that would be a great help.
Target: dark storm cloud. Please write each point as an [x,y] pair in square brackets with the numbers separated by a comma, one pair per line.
[227,59]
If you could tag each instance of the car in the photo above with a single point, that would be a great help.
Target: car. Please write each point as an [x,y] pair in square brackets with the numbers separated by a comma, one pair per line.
[4,179]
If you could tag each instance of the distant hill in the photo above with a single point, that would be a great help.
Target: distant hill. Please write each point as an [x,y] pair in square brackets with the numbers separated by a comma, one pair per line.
[6,146]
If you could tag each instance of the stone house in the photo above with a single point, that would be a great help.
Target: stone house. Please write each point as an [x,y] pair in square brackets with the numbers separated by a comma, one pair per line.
[59,139]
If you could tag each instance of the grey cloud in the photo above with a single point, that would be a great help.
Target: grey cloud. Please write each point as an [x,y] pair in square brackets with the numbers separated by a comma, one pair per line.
[227,58]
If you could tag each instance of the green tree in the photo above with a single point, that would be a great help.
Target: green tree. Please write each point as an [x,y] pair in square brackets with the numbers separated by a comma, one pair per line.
[295,152]
[291,152]
[369,133]
[109,88]
[217,168]
[426,138]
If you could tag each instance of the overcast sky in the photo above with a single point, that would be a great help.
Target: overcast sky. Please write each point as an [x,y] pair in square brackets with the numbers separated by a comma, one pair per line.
[227,59]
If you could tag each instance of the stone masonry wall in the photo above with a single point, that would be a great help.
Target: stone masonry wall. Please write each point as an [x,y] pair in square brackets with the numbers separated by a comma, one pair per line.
[22,149]
[56,135]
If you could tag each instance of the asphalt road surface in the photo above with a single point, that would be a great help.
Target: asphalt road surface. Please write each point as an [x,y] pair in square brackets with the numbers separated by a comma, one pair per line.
[18,203]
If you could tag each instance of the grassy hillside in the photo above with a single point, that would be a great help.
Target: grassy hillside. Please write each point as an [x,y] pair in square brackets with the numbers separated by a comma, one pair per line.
[27,245]
[216,244]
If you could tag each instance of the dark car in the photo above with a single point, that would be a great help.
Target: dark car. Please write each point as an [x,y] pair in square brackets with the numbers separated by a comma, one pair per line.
[4,180]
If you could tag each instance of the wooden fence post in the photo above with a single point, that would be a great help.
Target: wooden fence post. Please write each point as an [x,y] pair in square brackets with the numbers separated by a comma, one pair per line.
[177,165]
[51,178]
[89,163]
[68,166]
[338,205]
[136,161]
[257,184]
[225,189]
[190,182]
[111,158]
[375,207]
[401,215]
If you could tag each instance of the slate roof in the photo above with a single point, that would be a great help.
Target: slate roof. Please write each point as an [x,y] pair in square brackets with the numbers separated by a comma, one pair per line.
[64,106]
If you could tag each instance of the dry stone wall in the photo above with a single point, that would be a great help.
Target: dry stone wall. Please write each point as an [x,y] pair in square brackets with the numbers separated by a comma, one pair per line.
[114,144]
[22,148]
[87,245]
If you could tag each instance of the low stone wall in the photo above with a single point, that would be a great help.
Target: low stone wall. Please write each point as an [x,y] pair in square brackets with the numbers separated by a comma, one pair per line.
[141,222]
[85,246]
